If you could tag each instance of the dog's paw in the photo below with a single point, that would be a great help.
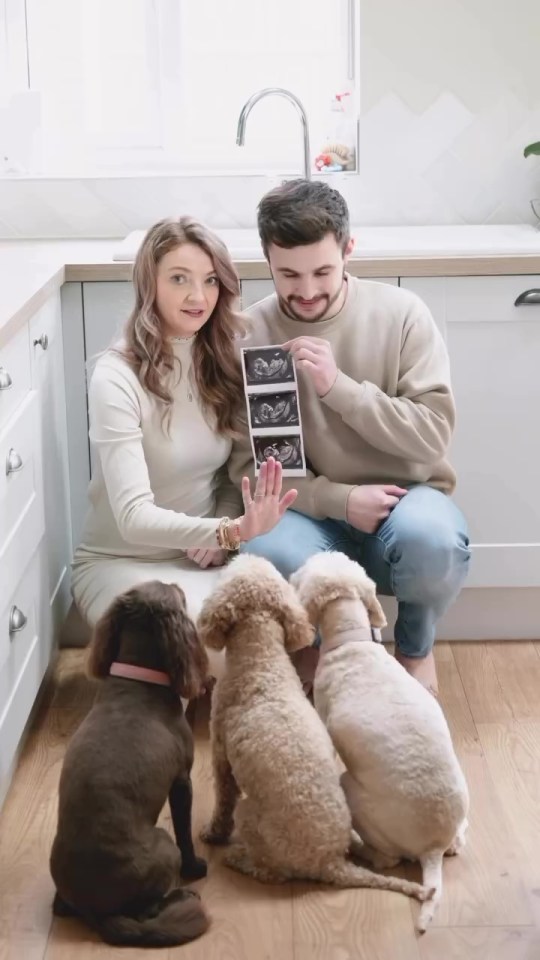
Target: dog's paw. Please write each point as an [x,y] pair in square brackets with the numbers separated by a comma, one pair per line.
[215,838]
[194,869]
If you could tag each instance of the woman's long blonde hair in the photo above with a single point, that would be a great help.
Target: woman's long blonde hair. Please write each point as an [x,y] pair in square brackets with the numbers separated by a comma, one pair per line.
[215,368]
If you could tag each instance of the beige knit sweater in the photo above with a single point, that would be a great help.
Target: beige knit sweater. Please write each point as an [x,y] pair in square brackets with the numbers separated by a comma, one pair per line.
[388,417]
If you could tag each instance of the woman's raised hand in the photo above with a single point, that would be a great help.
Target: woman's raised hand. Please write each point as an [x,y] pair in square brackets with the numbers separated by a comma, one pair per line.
[265,508]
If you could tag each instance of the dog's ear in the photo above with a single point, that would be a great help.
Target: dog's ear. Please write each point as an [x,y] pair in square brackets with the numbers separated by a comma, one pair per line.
[373,607]
[106,638]
[298,630]
[185,658]
[217,616]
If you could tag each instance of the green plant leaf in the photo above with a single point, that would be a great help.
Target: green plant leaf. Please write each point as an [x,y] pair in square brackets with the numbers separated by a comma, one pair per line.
[532,148]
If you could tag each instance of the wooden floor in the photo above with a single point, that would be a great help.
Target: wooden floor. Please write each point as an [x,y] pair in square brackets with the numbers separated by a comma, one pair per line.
[491,906]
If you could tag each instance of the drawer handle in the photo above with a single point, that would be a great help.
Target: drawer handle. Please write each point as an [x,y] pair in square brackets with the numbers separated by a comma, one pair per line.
[17,620]
[529,298]
[5,380]
[13,462]
[42,341]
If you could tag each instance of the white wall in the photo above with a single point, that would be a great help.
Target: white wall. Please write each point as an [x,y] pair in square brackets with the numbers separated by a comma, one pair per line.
[450,96]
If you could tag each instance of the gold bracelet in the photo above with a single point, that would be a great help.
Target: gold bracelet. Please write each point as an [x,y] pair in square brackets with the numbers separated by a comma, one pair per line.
[220,532]
[233,534]
[228,534]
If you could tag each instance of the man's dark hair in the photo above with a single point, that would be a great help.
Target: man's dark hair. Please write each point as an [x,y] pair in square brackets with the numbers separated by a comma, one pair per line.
[301,212]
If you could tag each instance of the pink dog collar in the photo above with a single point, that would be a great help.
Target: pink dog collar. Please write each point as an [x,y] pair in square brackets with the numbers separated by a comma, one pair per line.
[131,672]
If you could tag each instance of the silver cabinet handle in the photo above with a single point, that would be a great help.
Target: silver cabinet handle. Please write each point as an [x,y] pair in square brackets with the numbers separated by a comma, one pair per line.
[17,620]
[13,462]
[42,341]
[529,298]
[5,380]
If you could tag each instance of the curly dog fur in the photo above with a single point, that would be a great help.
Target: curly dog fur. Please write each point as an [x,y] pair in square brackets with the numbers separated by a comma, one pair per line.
[111,864]
[404,784]
[269,746]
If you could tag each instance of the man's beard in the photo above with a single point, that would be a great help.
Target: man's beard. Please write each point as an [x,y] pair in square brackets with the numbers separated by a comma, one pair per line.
[327,302]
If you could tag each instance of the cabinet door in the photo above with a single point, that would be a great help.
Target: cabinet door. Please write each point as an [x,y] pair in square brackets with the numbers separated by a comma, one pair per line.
[106,307]
[492,328]
[48,380]
[251,291]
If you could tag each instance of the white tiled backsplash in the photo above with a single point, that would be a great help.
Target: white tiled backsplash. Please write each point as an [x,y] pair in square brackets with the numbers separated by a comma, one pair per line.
[450,96]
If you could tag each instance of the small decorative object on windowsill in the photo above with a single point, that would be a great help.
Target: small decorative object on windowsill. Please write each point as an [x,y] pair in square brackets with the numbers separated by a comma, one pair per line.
[339,151]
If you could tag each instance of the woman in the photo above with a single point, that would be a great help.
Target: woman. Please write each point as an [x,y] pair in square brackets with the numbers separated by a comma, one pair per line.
[162,404]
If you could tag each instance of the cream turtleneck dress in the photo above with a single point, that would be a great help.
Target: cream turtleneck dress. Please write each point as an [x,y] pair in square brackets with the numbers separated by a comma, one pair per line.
[154,492]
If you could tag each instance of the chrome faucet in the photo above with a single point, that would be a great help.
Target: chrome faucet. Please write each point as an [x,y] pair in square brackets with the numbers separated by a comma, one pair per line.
[280,92]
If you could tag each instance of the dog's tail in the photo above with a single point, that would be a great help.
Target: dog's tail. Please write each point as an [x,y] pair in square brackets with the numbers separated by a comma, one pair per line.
[177,918]
[347,874]
[432,877]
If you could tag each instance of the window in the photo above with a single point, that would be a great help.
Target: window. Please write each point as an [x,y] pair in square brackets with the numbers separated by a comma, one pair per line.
[159,84]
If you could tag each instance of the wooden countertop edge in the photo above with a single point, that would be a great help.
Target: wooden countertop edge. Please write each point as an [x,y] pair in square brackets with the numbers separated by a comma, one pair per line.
[460,265]
[35,301]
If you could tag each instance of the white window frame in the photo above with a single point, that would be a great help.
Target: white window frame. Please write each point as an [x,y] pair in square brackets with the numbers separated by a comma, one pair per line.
[169,157]
[14,67]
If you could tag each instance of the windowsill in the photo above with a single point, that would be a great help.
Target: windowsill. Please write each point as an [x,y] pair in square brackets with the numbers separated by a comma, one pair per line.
[114,173]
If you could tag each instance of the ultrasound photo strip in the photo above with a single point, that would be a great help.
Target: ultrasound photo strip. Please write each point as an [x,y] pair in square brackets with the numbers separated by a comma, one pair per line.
[273,408]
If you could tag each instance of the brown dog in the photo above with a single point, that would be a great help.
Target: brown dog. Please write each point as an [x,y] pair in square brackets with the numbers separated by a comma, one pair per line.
[110,863]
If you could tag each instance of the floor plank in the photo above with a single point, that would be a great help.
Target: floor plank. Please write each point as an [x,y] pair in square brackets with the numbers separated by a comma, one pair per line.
[481,684]
[481,943]
[26,888]
[353,925]
[455,704]
[513,756]
[483,885]
[517,666]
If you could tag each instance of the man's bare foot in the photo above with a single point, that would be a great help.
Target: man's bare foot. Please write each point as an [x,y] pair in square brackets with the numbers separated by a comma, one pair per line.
[422,669]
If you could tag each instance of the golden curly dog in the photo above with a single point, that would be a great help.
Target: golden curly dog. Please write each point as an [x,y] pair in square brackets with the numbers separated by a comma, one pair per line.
[404,784]
[270,746]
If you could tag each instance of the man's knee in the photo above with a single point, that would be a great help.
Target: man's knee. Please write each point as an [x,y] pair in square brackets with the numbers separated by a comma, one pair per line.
[284,556]
[292,541]
[434,559]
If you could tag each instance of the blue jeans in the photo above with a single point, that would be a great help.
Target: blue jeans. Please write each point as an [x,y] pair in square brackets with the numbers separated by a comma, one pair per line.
[419,555]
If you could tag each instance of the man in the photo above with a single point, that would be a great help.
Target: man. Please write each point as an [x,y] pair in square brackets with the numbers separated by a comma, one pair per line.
[377,417]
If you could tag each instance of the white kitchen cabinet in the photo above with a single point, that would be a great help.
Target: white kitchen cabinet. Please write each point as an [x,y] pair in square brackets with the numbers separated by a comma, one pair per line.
[47,356]
[494,348]
[251,291]
[35,547]
[74,377]
[106,307]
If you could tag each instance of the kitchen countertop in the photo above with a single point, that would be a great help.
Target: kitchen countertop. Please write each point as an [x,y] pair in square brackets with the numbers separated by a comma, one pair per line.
[30,271]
